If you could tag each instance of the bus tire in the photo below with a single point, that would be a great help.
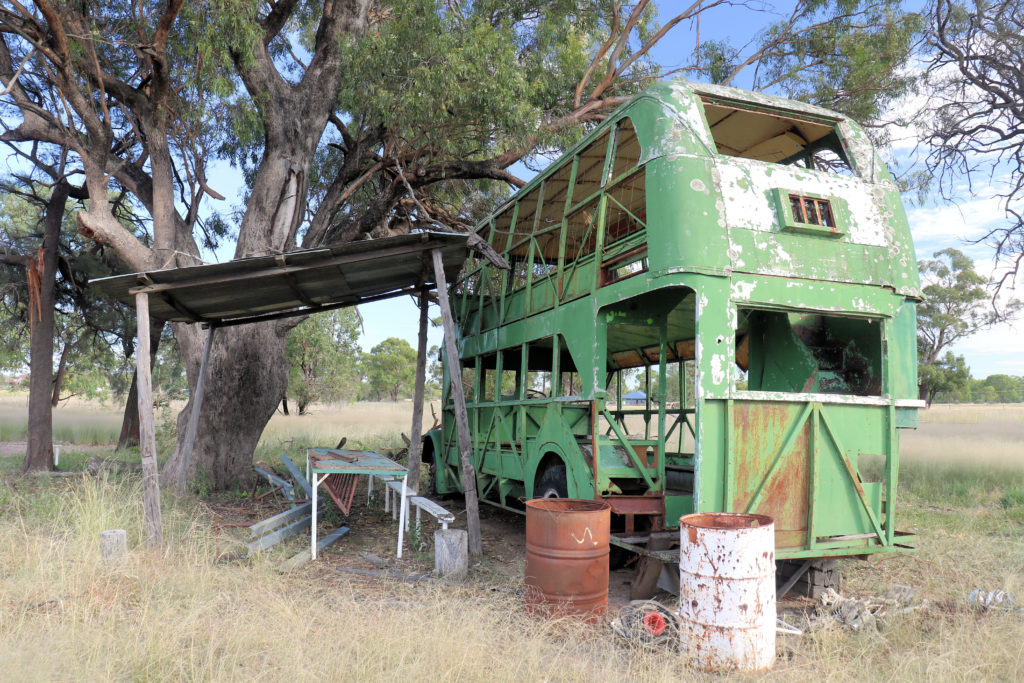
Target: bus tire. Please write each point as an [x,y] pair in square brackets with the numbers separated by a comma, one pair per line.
[552,484]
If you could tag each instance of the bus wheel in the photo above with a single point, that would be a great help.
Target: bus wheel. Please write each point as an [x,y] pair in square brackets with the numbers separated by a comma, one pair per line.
[552,483]
[432,485]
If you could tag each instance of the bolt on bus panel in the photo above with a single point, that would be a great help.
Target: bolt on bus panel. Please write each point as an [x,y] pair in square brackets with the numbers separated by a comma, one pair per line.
[710,307]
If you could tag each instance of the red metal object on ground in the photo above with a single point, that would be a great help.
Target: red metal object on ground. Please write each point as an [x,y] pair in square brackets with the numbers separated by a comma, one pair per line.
[567,556]
[342,488]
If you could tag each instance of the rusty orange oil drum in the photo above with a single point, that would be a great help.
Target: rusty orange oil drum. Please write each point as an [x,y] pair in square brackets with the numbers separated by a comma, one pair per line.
[567,556]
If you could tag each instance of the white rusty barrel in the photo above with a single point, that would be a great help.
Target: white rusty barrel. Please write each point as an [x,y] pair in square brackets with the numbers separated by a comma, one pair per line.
[727,590]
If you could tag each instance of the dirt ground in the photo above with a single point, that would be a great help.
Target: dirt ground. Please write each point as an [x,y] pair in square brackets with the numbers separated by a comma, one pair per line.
[373,536]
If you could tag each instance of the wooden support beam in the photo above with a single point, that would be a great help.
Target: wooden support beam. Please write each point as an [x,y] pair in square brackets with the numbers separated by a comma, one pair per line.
[416,434]
[193,418]
[147,433]
[461,419]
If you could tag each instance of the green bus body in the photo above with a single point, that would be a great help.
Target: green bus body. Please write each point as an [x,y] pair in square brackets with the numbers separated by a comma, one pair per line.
[746,259]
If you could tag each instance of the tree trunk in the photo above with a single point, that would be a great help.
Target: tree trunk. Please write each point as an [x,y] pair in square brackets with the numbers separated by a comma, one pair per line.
[42,273]
[247,378]
[58,380]
[129,436]
[284,405]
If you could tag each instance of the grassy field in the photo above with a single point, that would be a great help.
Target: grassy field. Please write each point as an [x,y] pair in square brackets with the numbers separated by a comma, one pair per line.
[195,612]
[74,421]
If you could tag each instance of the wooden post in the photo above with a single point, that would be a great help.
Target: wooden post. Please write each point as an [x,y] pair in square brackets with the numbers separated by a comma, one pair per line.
[461,420]
[113,544]
[193,418]
[450,557]
[416,435]
[147,434]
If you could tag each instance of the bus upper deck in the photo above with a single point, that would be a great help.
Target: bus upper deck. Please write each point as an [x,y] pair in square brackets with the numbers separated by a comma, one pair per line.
[743,259]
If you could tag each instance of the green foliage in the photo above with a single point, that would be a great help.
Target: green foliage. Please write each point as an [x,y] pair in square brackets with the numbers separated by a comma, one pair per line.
[432,385]
[1006,388]
[847,56]
[390,369]
[956,305]
[169,380]
[323,356]
[992,389]
[946,377]
[92,335]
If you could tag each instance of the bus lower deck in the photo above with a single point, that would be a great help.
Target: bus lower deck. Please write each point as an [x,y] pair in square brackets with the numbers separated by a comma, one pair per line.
[710,308]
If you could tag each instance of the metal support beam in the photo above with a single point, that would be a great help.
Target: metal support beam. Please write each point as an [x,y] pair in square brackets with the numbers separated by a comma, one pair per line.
[193,418]
[147,433]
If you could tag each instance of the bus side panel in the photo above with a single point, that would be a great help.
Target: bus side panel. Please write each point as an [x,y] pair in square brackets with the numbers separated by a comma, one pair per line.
[684,217]
[901,347]
[800,463]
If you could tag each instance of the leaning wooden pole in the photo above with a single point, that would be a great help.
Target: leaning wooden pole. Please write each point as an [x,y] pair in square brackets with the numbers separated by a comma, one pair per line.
[193,419]
[461,420]
[416,434]
[147,433]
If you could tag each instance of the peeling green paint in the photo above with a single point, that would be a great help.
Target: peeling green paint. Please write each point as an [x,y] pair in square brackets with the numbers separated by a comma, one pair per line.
[680,254]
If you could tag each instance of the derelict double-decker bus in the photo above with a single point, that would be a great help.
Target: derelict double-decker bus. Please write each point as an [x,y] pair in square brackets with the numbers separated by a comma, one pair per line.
[743,264]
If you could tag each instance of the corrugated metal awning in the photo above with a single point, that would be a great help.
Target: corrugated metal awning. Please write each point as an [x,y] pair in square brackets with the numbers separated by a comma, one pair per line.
[292,283]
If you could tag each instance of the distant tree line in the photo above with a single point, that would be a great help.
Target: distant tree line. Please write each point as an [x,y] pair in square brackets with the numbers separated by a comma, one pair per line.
[326,364]
[992,389]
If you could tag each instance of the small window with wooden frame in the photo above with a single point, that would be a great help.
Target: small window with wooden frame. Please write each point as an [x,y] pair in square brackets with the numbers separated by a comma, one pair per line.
[810,214]
[624,266]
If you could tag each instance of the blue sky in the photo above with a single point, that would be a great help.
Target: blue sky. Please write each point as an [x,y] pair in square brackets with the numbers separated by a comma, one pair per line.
[935,224]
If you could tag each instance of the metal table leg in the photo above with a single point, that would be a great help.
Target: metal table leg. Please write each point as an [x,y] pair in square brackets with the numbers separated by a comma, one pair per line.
[401,517]
[312,528]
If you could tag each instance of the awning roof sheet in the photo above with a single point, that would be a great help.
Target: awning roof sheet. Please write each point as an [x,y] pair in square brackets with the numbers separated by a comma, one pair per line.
[292,283]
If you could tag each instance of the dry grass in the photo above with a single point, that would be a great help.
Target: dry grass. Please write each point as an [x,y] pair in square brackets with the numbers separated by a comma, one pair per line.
[187,614]
[361,423]
[192,613]
[75,421]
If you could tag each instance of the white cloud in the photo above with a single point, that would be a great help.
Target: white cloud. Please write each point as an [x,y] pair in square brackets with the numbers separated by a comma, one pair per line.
[959,221]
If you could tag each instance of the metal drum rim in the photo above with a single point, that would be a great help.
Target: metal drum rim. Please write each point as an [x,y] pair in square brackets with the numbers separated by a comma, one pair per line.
[566,505]
[725,521]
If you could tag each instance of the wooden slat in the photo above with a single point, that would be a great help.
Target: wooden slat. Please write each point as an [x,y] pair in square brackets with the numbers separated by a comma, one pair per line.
[433,509]
[289,490]
[461,419]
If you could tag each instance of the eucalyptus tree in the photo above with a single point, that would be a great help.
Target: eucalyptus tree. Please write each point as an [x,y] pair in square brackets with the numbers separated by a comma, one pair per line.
[323,356]
[45,309]
[955,306]
[346,119]
[977,130]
